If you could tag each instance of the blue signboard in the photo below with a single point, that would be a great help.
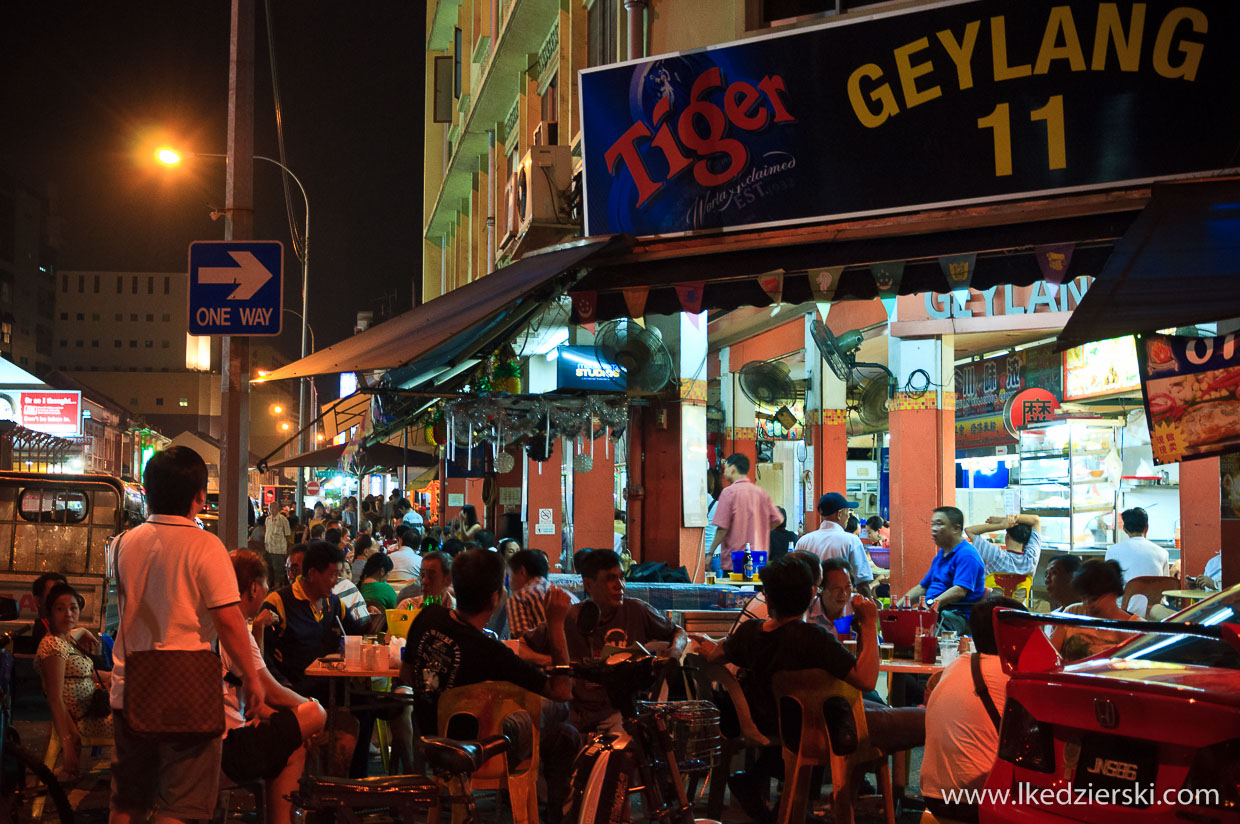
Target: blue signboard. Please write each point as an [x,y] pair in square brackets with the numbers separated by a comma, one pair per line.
[236,287]
[579,367]
[925,107]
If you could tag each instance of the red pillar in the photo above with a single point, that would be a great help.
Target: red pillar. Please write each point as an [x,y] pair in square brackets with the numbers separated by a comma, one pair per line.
[743,439]
[923,451]
[545,492]
[1201,519]
[661,506]
[594,500]
[830,458]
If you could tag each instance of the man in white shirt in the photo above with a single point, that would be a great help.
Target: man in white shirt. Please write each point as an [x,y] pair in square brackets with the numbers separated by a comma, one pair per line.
[272,746]
[406,562]
[176,591]
[831,540]
[1137,556]
[962,737]
[1022,544]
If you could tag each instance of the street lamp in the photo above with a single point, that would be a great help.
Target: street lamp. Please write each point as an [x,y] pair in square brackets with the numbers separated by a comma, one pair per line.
[170,157]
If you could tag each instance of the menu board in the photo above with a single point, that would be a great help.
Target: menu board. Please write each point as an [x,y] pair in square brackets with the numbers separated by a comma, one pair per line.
[1104,367]
[1191,388]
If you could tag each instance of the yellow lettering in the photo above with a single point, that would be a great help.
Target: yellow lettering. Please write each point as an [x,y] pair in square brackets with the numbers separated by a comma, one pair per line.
[962,53]
[1189,50]
[1127,47]
[998,45]
[1060,21]
[881,94]
[909,74]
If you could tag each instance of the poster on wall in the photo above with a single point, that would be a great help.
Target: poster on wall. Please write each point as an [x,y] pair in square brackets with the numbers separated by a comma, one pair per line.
[1104,367]
[1191,388]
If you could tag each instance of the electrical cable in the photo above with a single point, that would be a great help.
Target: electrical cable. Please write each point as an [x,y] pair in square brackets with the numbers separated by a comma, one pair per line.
[299,244]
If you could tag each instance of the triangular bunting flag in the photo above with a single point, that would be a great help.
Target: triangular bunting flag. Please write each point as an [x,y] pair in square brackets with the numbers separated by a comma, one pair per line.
[773,284]
[635,300]
[887,278]
[690,295]
[824,282]
[824,307]
[958,269]
[1053,260]
[584,305]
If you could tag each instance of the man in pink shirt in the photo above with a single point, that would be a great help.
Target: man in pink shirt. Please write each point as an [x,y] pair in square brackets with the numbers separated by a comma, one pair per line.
[743,515]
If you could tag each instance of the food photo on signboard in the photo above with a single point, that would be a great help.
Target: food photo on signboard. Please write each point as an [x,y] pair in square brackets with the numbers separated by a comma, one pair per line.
[1191,388]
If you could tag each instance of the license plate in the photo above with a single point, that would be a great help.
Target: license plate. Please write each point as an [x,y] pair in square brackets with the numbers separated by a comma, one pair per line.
[1112,763]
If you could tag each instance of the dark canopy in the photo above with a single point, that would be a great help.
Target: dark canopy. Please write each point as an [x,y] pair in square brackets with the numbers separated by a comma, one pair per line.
[1176,266]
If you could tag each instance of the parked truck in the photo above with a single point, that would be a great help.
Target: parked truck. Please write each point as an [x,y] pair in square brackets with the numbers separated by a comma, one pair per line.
[64,523]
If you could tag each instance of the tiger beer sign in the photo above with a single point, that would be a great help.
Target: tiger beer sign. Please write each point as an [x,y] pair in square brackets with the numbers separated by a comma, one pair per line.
[941,104]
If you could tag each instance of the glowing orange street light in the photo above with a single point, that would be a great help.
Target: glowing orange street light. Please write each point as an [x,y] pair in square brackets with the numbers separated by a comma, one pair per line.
[169,157]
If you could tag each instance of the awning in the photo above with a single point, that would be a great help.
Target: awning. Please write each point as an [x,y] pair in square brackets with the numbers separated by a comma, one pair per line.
[450,328]
[375,456]
[1177,266]
[1003,238]
[340,415]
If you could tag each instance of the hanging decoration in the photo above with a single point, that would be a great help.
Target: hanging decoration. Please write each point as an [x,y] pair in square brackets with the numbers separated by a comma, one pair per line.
[1054,260]
[504,463]
[887,277]
[584,305]
[635,300]
[958,269]
[690,295]
[582,463]
[773,284]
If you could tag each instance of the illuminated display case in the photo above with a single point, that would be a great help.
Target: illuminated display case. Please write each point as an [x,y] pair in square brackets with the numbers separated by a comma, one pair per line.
[1069,477]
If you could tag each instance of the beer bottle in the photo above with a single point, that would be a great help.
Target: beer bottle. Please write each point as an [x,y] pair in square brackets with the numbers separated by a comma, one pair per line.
[747,570]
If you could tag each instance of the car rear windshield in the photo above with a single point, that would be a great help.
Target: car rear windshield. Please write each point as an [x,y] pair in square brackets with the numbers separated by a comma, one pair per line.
[1192,649]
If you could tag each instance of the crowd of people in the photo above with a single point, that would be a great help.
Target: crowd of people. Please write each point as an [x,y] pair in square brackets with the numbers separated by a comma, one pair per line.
[292,596]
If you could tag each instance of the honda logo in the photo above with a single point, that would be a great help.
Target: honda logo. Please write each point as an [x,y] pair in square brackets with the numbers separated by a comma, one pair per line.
[1105,712]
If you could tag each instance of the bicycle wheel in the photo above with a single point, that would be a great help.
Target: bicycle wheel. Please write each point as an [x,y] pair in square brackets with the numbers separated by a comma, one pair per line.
[36,781]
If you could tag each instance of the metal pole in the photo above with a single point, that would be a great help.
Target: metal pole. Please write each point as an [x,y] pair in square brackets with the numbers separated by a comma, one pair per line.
[305,327]
[238,225]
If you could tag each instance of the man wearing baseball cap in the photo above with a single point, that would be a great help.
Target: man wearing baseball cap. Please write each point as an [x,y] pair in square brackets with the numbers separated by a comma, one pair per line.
[831,540]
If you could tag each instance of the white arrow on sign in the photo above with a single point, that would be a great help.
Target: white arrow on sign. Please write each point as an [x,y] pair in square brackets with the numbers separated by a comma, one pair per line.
[249,275]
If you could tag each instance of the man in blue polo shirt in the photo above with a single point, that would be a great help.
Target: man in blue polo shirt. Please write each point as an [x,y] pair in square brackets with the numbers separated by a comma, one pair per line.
[957,573]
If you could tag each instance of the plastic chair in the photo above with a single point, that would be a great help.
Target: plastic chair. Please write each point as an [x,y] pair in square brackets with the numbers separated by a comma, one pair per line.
[810,689]
[1011,583]
[489,703]
[257,788]
[100,767]
[1151,586]
[707,677]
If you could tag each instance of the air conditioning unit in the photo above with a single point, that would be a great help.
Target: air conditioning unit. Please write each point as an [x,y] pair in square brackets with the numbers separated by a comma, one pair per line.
[508,220]
[542,182]
[545,133]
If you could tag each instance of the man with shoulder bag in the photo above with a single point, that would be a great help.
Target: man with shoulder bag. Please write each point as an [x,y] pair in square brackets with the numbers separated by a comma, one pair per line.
[177,595]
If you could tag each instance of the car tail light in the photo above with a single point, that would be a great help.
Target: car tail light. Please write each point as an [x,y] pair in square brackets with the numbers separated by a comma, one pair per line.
[1025,741]
[1215,776]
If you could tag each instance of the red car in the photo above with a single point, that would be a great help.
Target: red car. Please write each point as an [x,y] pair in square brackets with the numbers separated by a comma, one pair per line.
[1148,731]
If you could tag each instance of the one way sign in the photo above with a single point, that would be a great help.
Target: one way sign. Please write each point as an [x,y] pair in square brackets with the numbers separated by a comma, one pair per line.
[236,287]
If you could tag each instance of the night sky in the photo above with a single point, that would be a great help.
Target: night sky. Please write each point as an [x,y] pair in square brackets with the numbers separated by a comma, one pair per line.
[89,89]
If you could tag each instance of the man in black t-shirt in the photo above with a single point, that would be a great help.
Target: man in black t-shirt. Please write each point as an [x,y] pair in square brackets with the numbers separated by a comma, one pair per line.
[785,642]
[447,648]
[622,621]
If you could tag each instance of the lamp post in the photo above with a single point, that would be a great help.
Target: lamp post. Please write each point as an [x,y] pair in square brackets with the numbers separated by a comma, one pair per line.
[171,157]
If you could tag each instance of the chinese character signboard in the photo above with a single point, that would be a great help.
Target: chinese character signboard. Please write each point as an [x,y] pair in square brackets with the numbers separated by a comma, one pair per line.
[44,410]
[983,388]
[927,106]
[1191,388]
[1104,367]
